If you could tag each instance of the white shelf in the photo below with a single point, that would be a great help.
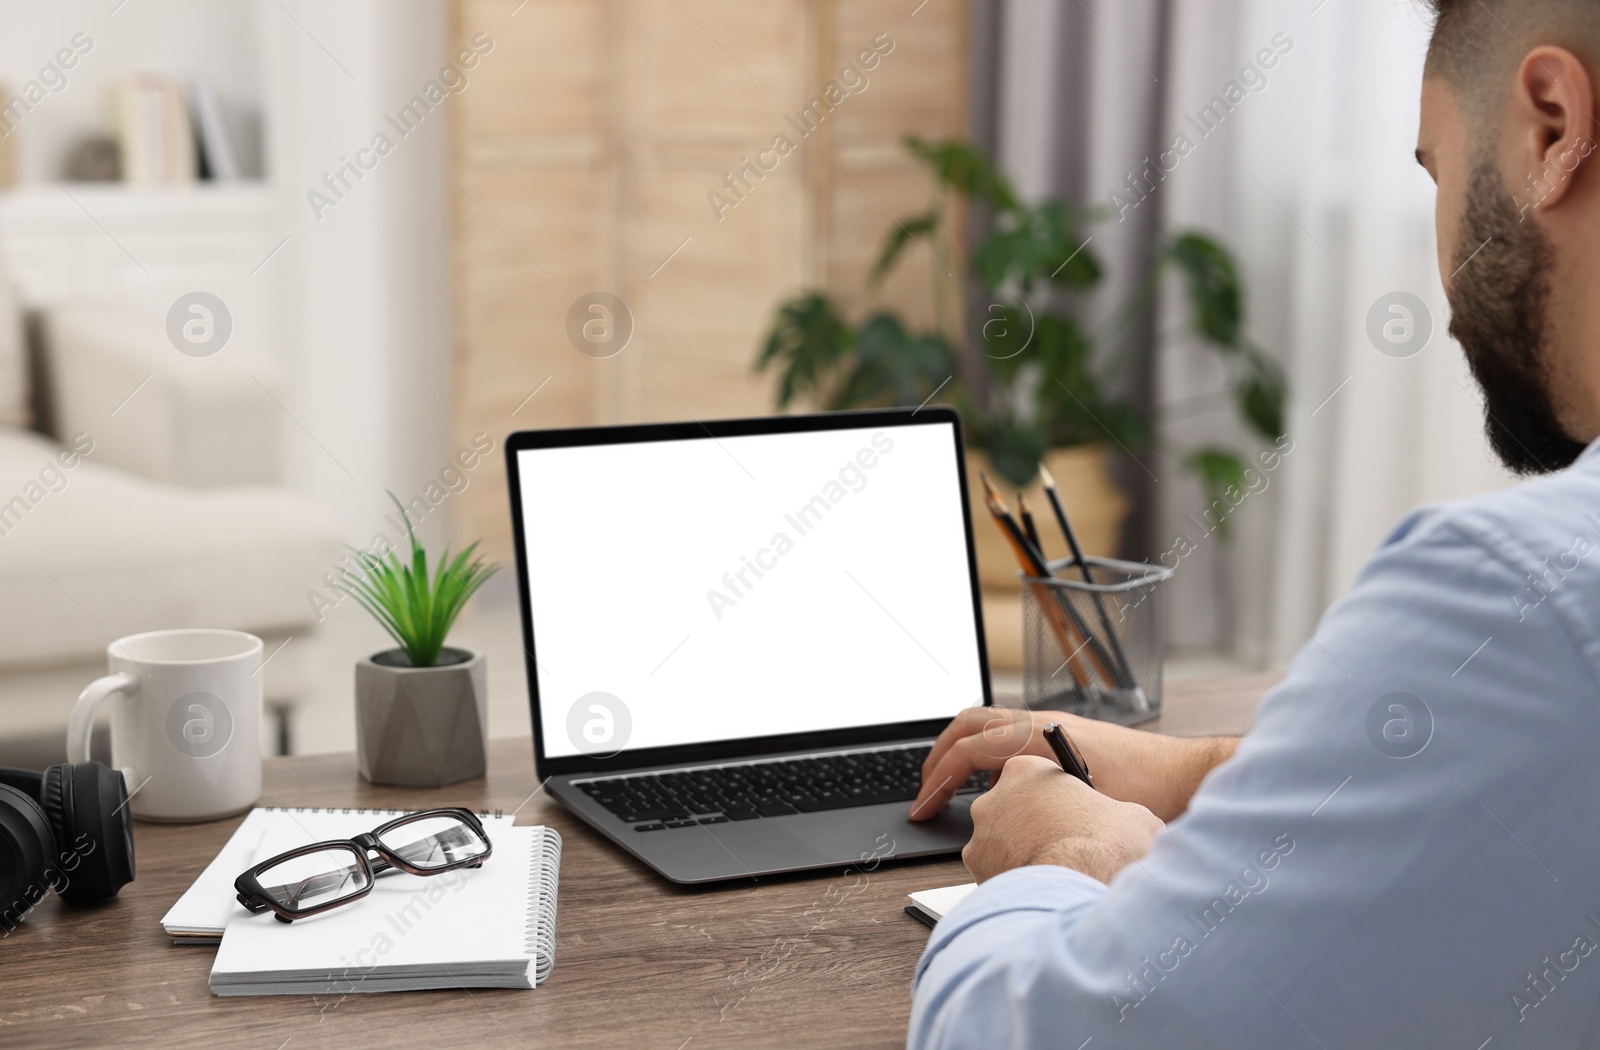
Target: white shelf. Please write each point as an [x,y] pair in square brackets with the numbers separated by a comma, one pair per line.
[120,198]
[142,246]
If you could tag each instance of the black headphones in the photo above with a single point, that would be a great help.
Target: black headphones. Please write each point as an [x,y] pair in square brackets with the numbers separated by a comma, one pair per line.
[66,829]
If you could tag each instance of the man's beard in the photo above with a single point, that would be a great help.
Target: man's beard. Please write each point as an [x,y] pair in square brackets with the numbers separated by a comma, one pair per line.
[1499,300]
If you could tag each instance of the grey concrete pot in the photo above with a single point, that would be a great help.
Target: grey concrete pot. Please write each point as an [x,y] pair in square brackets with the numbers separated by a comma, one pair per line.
[422,726]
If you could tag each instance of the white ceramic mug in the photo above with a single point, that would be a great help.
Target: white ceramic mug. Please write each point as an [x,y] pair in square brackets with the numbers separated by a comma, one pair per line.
[186,731]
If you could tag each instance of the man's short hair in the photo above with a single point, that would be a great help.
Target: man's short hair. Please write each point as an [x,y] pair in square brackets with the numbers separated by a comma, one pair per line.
[1477,43]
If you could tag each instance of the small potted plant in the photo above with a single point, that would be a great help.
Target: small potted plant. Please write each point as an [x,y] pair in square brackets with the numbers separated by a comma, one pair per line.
[422,707]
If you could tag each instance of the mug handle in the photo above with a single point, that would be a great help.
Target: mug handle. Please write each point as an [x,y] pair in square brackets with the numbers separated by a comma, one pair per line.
[81,725]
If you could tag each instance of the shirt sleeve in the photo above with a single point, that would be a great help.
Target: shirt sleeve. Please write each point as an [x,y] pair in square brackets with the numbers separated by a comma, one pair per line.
[1397,854]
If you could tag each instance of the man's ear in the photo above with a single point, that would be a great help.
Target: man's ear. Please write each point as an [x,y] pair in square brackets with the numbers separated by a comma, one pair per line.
[1552,123]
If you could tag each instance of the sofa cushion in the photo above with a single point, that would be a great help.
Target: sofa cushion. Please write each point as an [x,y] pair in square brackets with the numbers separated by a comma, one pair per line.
[89,553]
[14,407]
[200,422]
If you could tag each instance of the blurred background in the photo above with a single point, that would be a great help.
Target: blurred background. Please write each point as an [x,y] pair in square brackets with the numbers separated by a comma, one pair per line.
[264,261]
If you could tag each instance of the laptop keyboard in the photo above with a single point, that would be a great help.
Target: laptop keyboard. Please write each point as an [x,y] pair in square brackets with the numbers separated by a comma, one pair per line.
[751,790]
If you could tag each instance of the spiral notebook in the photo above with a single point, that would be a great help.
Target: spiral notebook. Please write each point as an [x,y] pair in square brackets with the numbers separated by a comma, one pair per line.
[488,927]
[929,906]
[200,915]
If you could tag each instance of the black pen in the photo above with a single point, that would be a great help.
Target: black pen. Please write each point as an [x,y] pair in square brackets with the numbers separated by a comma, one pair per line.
[1067,753]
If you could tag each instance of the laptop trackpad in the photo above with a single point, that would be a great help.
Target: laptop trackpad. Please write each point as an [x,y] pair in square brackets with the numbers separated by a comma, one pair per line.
[878,832]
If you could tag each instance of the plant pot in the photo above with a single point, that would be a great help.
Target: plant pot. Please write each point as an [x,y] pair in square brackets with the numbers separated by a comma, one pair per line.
[422,726]
[1093,501]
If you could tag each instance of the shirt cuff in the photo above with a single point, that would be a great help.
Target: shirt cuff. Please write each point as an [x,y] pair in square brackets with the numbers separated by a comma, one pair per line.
[1039,887]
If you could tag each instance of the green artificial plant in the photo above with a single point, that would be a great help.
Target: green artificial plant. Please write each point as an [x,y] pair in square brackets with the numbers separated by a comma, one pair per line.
[416,608]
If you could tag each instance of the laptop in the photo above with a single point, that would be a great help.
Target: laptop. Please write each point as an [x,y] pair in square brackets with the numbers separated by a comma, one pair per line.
[743,636]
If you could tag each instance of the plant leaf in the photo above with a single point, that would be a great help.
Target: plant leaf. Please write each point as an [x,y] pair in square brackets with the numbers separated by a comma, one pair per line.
[1219,470]
[415,609]
[903,232]
[1262,394]
[963,168]
[1014,448]
[1212,281]
[893,367]
[808,340]
[1034,245]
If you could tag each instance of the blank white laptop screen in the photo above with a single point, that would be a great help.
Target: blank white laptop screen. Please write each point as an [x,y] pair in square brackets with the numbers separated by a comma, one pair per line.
[726,588]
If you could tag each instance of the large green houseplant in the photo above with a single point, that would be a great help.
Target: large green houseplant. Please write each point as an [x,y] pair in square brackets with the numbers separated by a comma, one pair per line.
[1030,377]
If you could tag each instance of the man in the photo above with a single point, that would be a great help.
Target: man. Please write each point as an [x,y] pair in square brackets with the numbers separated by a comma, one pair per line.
[1403,852]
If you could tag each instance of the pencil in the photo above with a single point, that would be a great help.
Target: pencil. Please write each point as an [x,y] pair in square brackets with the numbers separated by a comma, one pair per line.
[1028,526]
[1060,629]
[1058,626]
[1033,563]
[1124,677]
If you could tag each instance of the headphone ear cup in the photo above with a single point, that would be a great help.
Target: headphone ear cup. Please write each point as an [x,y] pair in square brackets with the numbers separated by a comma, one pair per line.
[26,848]
[53,799]
[87,806]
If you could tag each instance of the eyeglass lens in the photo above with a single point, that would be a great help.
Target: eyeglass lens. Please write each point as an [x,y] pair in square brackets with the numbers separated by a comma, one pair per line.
[435,842]
[311,880]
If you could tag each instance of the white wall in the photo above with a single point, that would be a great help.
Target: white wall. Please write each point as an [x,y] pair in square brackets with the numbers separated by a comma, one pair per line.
[200,40]
[1313,182]
[362,291]
[367,303]
[1030,109]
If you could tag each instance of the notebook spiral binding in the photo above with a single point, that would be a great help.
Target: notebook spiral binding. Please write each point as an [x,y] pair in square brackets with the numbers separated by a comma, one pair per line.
[544,877]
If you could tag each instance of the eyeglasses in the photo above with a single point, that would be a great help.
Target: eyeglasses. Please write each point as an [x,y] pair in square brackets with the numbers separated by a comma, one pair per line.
[312,879]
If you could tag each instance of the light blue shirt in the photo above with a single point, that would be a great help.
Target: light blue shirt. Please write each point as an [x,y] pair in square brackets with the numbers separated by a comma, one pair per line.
[1331,885]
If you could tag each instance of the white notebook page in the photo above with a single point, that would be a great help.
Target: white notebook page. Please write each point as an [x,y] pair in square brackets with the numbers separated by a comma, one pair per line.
[458,922]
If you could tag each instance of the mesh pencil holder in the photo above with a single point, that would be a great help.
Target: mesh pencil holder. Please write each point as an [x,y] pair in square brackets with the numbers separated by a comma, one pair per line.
[1095,648]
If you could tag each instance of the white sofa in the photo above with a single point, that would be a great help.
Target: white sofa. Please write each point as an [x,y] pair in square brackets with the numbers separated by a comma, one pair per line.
[140,489]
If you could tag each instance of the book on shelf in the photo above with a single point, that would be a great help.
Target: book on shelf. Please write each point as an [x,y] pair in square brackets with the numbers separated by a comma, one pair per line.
[154,132]
[221,160]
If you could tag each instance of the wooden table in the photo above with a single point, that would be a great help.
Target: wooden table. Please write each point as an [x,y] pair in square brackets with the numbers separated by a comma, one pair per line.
[819,960]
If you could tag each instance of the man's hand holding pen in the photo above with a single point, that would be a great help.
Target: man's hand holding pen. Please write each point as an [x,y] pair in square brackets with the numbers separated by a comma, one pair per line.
[1039,815]
[1036,814]
[1158,772]
[1033,814]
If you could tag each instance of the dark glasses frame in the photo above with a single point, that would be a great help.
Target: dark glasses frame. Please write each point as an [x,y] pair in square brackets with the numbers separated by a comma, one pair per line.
[256,899]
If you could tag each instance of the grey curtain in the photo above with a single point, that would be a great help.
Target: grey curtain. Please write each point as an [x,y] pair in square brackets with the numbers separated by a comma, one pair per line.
[1073,99]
